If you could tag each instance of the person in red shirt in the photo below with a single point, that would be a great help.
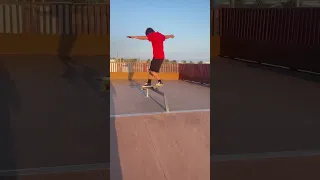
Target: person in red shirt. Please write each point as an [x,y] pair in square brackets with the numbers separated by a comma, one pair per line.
[156,39]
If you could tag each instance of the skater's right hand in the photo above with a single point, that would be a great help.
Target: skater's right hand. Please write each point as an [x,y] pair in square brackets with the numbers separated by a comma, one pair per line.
[172,36]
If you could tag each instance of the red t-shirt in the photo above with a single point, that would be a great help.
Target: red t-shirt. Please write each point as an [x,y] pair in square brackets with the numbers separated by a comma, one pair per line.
[157,40]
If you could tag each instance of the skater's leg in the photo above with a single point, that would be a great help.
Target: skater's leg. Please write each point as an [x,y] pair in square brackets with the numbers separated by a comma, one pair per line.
[155,75]
[154,70]
[148,83]
[152,64]
[149,75]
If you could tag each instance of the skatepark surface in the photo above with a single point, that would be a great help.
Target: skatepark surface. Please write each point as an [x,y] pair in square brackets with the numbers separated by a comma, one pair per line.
[265,122]
[55,120]
[263,109]
[303,167]
[163,146]
[256,109]
[149,143]
[127,97]
[51,120]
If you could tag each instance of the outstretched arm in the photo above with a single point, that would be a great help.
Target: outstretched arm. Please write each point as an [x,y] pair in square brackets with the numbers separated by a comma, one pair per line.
[138,37]
[169,36]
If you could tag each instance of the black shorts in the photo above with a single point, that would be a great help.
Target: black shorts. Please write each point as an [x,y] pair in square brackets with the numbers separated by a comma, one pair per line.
[156,65]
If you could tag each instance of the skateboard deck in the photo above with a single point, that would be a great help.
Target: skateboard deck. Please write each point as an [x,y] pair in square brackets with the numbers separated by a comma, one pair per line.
[152,87]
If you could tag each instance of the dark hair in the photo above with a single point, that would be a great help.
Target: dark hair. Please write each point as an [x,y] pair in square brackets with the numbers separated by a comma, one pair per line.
[149,30]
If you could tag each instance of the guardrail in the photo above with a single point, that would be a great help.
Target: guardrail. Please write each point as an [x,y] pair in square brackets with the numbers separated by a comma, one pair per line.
[55,18]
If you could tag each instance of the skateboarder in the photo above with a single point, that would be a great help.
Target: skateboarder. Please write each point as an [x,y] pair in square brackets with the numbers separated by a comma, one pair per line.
[156,39]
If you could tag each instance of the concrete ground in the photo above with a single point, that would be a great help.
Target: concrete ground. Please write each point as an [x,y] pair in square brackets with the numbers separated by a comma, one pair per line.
[270,168]
[261,109]
[82,175]
[264,123]
[52,116]
[127,98]
[147,143]
[165,146]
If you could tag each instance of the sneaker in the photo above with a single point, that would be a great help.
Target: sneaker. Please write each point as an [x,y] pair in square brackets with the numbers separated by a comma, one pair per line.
[160,83]
[146,85]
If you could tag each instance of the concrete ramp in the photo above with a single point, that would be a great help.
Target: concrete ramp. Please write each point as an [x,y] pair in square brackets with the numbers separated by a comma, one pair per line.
[162,146]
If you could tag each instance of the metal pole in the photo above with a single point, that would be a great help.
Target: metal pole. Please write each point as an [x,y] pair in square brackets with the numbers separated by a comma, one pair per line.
[166,103]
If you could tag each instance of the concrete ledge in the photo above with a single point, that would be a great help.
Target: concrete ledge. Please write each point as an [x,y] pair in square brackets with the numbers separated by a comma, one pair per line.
[142,75]
[49,44]
[214,46]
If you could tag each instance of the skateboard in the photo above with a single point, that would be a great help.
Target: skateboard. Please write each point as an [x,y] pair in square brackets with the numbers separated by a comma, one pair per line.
[152,87]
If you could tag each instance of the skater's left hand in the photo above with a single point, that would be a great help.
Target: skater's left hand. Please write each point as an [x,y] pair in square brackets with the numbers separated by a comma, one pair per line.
[130,36]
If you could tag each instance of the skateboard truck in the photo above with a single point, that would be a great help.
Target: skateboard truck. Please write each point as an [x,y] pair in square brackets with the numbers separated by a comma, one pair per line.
[156,90]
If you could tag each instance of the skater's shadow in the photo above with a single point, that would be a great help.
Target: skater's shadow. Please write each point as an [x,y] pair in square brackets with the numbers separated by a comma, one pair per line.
[115,165]
[76,71]
[9,103]
[130,74]
[63,16]
[66,42]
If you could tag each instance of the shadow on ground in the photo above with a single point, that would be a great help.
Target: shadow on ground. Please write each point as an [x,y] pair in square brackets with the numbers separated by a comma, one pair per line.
[286,72]
[9,102]
[50,120]
[260,109]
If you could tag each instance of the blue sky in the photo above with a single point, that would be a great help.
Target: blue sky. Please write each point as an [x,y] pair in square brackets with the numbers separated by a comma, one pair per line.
[188,20]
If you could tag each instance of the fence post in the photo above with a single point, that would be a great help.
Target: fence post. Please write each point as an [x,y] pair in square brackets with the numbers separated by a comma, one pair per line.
[232,3]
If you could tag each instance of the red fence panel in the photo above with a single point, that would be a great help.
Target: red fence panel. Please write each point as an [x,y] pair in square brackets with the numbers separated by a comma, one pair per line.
[288,36]
[195,72]
[55,18]
[294,26]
